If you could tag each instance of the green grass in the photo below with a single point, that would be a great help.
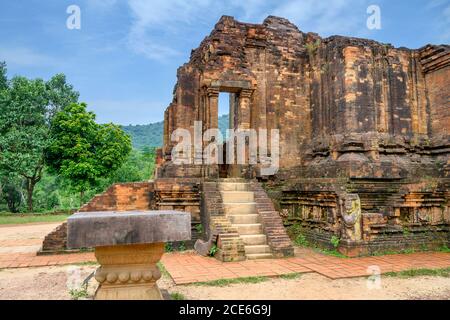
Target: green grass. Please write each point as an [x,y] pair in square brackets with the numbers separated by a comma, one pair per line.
[445,249]
[226,282]
[290,276]
[80,293]
[301,241]
[163,269]
[420,272]
[86,263]
[31,218]
[329,252]
[177,296]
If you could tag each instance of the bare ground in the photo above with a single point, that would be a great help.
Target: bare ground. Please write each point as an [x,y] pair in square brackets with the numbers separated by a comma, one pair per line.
[51,283]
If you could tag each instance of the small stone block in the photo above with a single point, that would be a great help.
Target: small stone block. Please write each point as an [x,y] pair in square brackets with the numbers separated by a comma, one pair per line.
[95,229]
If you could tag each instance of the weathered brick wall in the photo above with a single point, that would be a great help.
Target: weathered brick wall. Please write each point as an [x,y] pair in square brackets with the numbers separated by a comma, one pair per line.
[435,61]
[277,238]
[181,194]
[164,194]
[123,197]
[396,216]
[230,245]
[316,91]
[56,240]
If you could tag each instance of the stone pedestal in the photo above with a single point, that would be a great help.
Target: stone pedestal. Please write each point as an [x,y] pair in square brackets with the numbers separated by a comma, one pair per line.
[128,272]
[127,246]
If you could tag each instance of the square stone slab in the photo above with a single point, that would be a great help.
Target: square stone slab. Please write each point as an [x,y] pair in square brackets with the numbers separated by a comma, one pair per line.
[95,229]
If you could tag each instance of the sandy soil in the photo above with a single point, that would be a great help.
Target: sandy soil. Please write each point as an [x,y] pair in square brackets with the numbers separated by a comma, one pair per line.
[316,287]
[51,283]
[26,231]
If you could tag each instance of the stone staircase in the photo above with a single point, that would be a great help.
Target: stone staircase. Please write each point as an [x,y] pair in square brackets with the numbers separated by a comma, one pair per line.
[240,208]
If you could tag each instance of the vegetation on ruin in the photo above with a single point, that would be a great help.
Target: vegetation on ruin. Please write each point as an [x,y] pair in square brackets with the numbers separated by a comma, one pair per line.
[295,232]
[199,228]
[445,272]
[335,241]
[312,47]
[31,179]
[213,250]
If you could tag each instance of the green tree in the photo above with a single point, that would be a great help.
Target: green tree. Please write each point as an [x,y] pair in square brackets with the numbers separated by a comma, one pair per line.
[3,78]
[83,151]
[27,107]
[60,94]
[23,131]
[11,191]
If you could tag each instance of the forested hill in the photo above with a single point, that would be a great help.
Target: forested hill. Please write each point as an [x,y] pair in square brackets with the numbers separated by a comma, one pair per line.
[147,135]
[151,135]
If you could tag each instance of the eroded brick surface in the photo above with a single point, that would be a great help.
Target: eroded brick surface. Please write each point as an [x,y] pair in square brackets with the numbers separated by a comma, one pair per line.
[358,119]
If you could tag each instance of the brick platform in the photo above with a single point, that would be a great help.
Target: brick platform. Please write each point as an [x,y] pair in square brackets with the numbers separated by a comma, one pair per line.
[17,243]
[190,268]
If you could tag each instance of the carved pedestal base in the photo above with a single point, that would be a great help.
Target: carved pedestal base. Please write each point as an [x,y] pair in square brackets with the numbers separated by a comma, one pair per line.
[128,272]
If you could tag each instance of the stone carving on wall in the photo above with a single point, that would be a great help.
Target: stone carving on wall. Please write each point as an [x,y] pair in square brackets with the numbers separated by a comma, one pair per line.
[350,209]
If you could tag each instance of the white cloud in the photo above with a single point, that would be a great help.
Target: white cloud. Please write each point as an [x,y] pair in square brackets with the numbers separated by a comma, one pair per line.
[324,17]
[153,20]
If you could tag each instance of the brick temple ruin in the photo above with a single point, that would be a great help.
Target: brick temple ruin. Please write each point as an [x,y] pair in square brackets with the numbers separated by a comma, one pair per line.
[364,144]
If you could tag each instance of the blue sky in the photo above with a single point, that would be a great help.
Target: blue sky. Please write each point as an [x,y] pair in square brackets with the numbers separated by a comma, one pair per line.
[123,60]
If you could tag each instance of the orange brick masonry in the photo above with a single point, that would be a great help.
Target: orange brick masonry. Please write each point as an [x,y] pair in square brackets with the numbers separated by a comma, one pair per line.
[189,267]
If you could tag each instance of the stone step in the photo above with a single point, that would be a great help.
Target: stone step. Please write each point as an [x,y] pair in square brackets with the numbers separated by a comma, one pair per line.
[244,218]
[237,196]
[255,256]
[255,249]
[250,228]
[239,208]
[254,239]
[233,186]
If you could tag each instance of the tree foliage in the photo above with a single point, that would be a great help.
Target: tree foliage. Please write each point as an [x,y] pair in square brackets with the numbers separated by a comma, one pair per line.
[83,151]
[3,77]
[23,131]
[27,107]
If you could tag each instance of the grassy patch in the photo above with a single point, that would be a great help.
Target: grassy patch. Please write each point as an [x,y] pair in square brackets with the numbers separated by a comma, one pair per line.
[80,293]
[226,282]
[445,249]
[31,218]
[329,252]
[420,272]
[177,296]
[163,269]
[290,276]
[301,241]
[86,263]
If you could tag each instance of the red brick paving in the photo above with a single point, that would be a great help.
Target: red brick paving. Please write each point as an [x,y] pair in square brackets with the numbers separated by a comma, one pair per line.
[189,268]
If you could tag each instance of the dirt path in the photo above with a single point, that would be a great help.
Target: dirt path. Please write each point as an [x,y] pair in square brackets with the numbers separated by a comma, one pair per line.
[24,238]
[51,283]
[316,287]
